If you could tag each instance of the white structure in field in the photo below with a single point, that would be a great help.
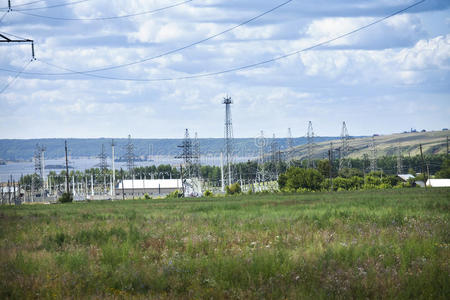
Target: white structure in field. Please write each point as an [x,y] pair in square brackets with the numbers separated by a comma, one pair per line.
[438,182]
[157,187]
[153,187]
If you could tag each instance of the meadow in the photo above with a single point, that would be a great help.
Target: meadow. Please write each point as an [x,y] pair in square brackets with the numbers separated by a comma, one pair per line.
[362,244]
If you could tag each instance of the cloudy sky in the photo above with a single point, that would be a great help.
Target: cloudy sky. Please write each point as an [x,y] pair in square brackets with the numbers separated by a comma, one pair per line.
[387,78]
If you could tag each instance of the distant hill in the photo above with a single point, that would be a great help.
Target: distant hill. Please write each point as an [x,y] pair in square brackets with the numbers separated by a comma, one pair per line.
[433,142]
[23,149]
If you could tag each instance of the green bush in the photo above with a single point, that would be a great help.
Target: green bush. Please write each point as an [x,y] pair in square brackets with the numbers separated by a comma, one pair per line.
[233,189]
[175,194]
[66,198]
[303,179]
[147,197]
[208,193]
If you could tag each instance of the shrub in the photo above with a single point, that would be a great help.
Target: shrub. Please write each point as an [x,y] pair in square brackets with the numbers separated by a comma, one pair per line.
[147,197]
[66,198]
[208,193]
[175,194]
[232,189]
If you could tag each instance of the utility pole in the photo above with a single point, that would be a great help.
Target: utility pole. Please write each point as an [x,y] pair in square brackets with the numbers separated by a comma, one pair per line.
[423,166]
[113,187]
[67,169]
[330,159]
[221,172]
[447,146]
[399,160]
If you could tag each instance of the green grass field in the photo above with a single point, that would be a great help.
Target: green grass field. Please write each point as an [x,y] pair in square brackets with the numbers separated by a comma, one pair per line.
[364,244]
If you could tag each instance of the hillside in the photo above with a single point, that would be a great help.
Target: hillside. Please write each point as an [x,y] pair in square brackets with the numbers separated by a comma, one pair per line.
[23,149]
[433,142]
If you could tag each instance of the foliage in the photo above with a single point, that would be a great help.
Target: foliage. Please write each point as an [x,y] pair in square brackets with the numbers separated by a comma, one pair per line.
[295,178]
[147,196]
[208,193]
[233,189]
[377,244]
[445,169]
[175,194]
[66,198]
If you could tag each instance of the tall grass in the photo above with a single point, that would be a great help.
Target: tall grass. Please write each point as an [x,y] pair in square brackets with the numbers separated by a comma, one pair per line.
[364,244]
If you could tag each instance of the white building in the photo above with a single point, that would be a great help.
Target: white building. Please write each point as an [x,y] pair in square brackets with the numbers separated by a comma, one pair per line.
[438,182]
[153,187]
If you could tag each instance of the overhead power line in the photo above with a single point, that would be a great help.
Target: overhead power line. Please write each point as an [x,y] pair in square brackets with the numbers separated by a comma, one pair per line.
[9,83]
[71,72]
[47,7]
[24,4]
[105,18]
[235,69]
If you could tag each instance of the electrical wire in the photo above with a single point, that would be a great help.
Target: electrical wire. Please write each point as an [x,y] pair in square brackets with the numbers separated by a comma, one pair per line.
[71,72]
[6,12]
[16,36]
[24,4]
[50,6]
[8,84]
[105,18]
[235,69]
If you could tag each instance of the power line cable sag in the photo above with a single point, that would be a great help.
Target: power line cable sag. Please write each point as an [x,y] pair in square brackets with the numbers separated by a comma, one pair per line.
[73,72]
[50,6]
[8,84]
[105,18]
[175,50]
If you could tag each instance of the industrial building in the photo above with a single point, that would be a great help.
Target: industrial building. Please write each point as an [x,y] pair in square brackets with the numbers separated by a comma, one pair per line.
[153,187]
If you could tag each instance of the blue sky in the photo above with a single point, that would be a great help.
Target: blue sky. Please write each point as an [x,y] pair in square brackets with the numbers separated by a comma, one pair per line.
[387,78]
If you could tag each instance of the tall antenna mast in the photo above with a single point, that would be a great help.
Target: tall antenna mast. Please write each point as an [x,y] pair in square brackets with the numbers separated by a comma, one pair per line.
[228,137]
[310,140]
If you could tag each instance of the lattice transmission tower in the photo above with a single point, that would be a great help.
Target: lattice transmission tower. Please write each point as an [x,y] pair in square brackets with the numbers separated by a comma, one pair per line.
[261,173]
[310,141]
[187,155]
[39,163]
[228,135]
[373,157]
[103,165]
[129,154]
[290,148]
[345,148]
[275,158]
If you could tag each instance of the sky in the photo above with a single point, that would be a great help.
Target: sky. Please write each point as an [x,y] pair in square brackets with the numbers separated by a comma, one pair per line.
[386,78]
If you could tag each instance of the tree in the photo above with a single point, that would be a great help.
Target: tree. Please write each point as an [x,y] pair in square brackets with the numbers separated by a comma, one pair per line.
[445,170]
[297,178]
[324,167]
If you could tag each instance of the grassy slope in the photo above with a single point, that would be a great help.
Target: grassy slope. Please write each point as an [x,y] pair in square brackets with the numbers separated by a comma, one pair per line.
[433,142]
[388,243]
